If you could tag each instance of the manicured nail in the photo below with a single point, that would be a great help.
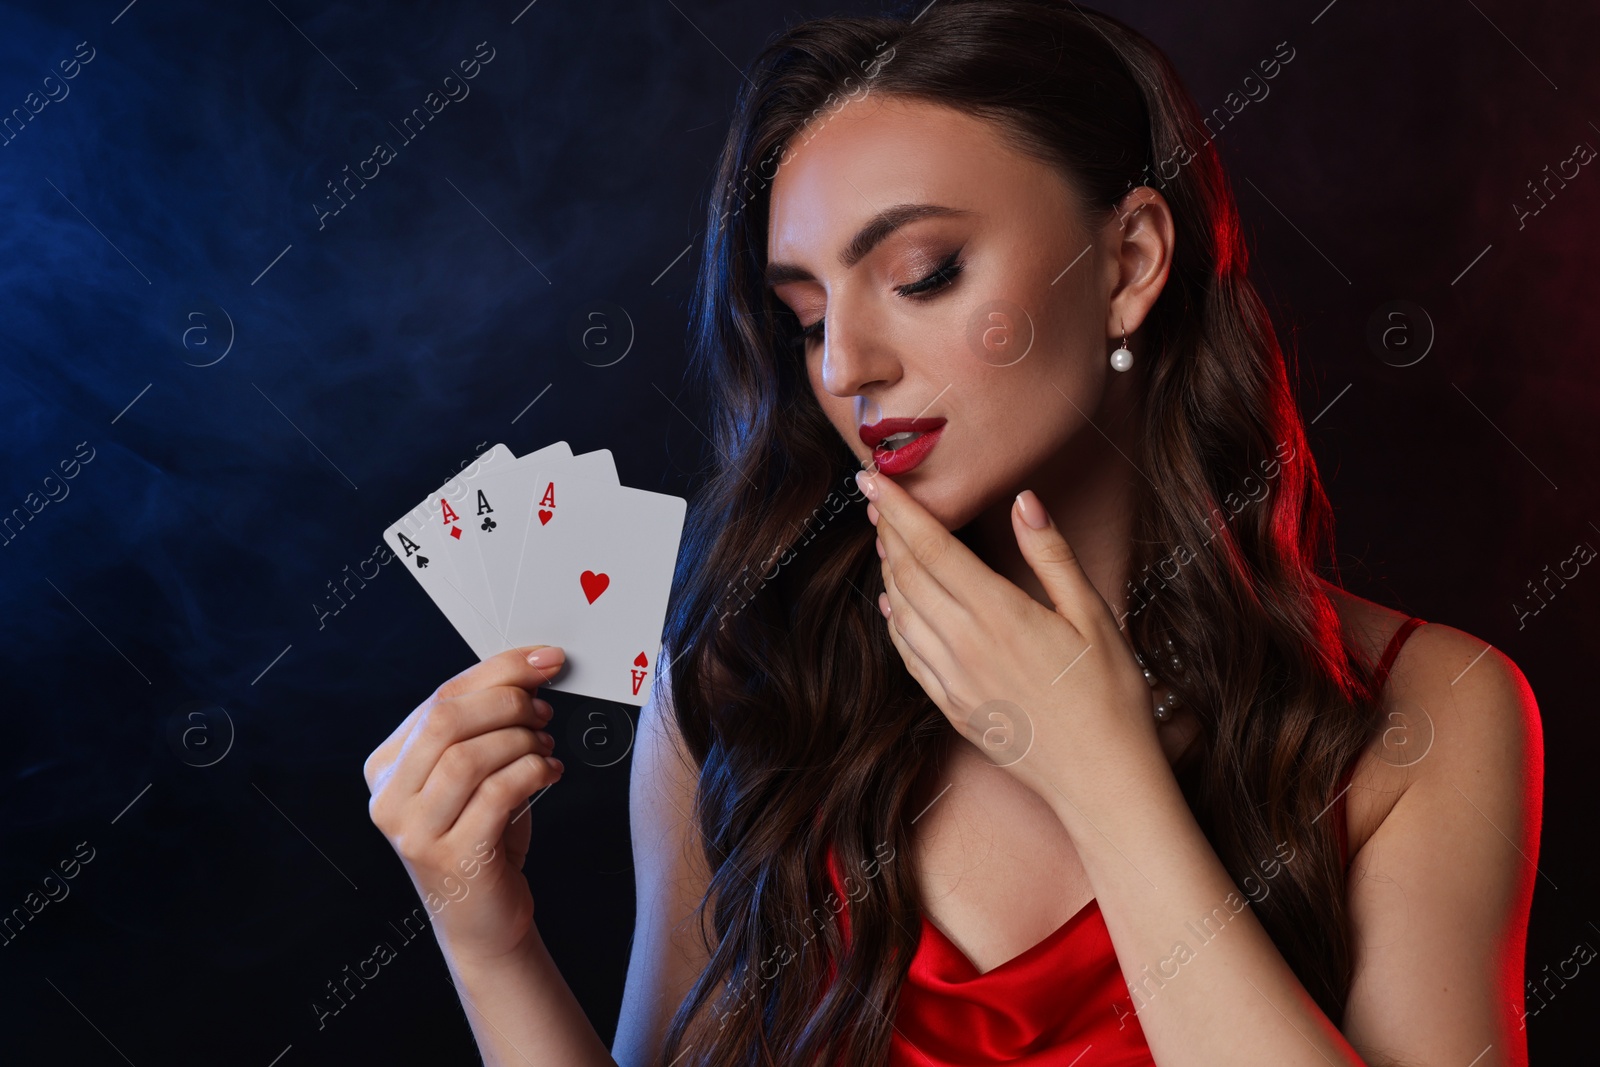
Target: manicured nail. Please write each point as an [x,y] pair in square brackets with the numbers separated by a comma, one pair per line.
[1033,512]
[881,553]
[868,484]
[548,656]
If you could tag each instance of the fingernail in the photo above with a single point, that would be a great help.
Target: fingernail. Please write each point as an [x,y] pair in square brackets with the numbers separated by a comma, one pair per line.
[548,656]
[881,553]
[561,768]
[868,484]
[1033,512]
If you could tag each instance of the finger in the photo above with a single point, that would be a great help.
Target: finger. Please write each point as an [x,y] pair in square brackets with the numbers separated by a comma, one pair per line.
[380,764]
[936,549]
[381,760]
[920,671]
[510,667]
[926,594]
[906,620]
[445,722]
[463,767]
[1055,563]
[506,668]
[501,797]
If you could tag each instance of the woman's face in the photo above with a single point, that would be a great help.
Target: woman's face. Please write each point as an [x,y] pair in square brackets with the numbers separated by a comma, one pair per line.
[994,310]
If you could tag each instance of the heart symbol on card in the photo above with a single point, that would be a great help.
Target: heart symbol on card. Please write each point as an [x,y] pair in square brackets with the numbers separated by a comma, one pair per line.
[545,516]
[594,584]
[641,660]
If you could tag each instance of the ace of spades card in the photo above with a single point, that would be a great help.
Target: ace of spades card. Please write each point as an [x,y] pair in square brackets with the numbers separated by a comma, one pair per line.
[596,572]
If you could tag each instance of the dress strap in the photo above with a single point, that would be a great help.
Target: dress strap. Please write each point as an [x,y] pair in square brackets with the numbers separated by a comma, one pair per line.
[1385,663]
[1393,648]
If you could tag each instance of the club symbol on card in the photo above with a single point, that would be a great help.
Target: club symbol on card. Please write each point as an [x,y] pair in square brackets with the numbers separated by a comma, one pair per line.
[545,516]
[594,584]
[488,524]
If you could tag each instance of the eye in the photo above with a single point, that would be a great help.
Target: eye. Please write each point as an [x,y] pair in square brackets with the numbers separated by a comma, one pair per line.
[925,289]
[941,277]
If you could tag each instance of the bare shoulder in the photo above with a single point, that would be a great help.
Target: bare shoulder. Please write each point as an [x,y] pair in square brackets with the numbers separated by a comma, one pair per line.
[1452,700]
[1454,707]
[1443,881]
[1476,735]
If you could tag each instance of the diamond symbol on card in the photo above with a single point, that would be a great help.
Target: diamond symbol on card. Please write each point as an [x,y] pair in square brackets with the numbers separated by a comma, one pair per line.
[455,531]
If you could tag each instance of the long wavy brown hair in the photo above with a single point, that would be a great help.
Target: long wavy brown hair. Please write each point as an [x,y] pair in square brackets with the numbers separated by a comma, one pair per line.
[805,724]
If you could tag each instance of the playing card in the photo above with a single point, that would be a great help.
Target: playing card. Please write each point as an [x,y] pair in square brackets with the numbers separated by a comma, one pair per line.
[503,505]
[413,540]
[596,572]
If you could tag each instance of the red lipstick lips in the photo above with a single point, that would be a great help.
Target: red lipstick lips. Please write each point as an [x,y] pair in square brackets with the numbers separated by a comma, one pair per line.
[893,461]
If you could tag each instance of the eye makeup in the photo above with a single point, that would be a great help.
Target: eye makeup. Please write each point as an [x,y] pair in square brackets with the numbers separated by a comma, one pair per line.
[924,289]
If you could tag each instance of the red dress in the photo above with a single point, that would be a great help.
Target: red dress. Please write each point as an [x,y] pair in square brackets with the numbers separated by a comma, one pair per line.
[1061,1003]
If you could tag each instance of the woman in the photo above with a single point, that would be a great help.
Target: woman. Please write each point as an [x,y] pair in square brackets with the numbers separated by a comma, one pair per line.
[909,761]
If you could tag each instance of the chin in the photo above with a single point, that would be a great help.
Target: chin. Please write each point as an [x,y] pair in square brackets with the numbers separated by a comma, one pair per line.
[951,506]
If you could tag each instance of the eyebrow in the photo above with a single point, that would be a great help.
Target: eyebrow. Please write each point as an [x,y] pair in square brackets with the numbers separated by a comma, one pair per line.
[866,239]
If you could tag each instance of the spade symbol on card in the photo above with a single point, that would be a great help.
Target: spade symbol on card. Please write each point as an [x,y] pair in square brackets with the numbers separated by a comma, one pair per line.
[410,547]
[594,584]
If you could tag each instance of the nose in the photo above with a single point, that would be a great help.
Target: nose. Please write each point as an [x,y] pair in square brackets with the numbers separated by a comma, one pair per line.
[855,353]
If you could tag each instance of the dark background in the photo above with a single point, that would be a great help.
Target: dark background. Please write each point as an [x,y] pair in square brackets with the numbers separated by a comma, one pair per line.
[189,569]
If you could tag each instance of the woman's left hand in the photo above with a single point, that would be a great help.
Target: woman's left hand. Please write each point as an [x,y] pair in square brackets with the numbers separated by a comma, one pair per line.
[1053,696]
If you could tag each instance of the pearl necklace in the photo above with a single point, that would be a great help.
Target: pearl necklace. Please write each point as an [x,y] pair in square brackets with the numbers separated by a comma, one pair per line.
[1165,706]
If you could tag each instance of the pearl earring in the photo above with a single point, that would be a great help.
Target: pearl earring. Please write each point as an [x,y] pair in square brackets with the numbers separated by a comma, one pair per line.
[1122,358]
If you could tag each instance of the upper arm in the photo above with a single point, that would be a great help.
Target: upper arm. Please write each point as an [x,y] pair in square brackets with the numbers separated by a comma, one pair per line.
[670,876]
[1439,895]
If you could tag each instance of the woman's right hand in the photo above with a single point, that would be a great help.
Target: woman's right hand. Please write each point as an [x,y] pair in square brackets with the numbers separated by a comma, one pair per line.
[450,791]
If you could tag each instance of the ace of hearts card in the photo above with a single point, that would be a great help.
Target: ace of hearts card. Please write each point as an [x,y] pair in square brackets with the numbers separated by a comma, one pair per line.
[596,572]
